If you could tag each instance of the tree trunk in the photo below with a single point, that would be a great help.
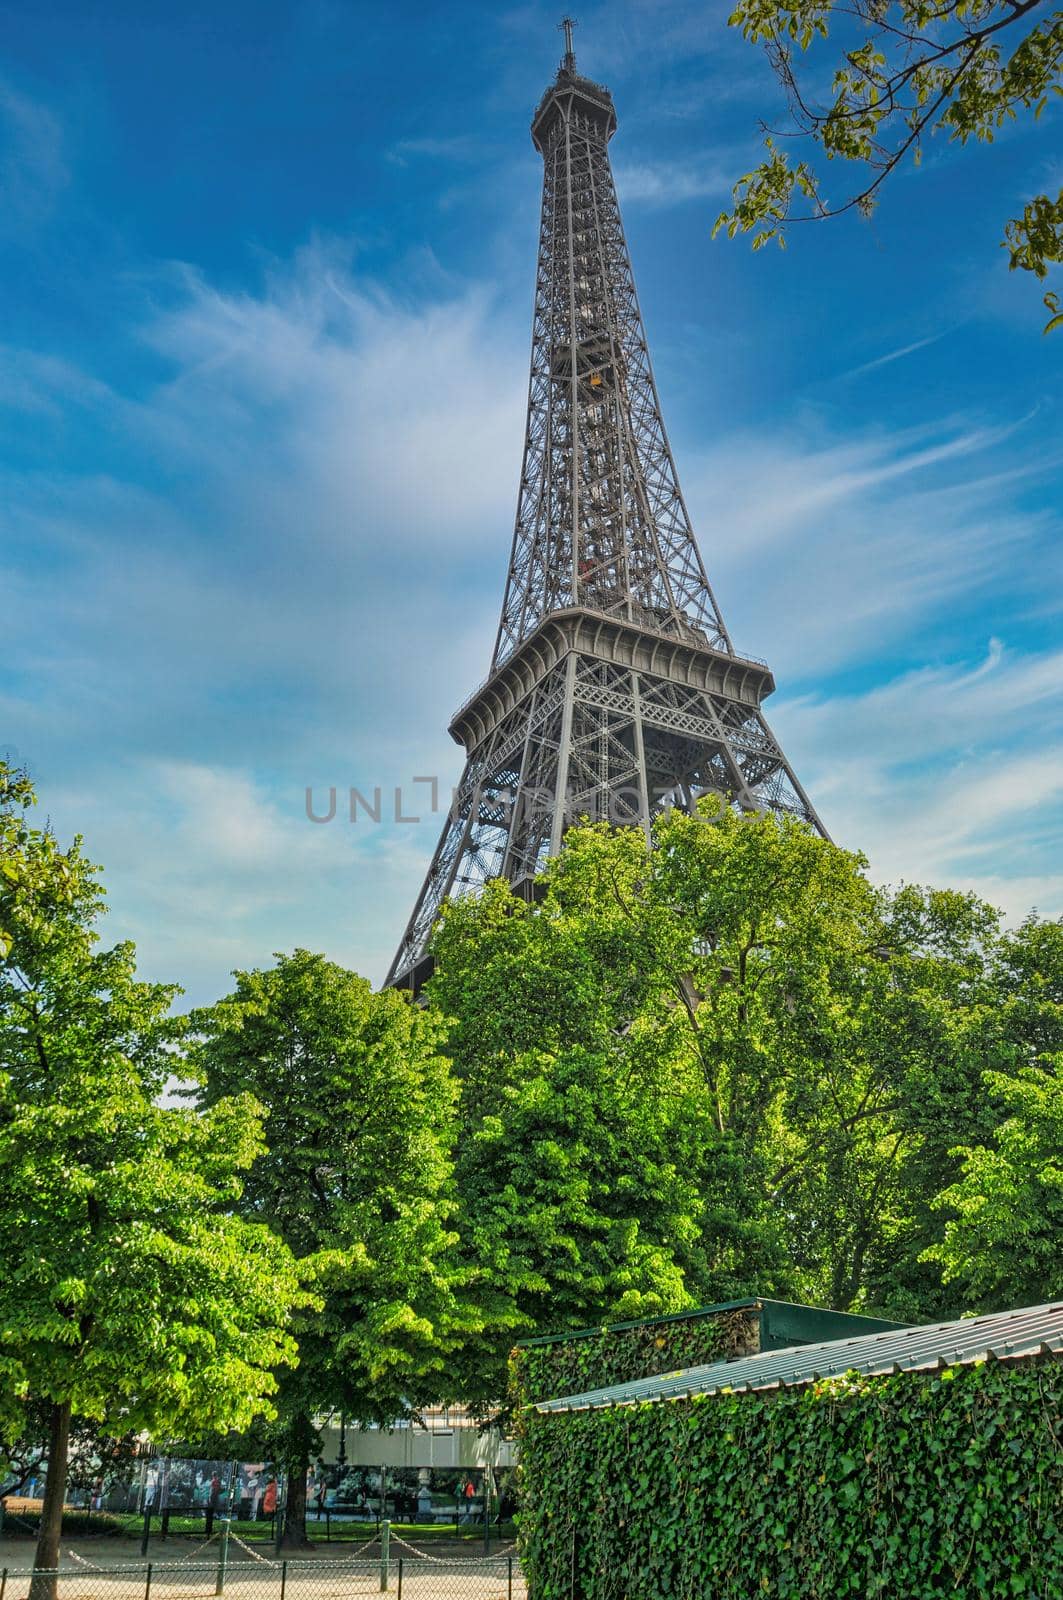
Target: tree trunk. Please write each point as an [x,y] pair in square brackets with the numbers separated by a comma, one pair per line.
[294,1536]
[44,1585]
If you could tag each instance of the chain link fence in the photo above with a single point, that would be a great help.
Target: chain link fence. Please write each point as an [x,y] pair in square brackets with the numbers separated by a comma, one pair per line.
[396,1572]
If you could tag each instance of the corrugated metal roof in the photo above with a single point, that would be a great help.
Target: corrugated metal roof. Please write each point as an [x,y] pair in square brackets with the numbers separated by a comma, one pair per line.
[1032,1330]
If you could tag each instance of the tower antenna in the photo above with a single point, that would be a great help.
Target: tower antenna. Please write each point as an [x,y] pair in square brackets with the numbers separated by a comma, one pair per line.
[566,26]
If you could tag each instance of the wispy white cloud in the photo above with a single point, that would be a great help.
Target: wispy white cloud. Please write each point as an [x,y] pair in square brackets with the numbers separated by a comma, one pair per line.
[211,867]
[960,705]
[461,147]
[262,597]
[669,183]
[352,386]
[327,454]
[33,381]
[33,165]
[895,355]
[946,773]
[829,544]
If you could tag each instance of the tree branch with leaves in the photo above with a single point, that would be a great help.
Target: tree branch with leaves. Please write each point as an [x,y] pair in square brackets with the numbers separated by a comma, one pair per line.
[903,71]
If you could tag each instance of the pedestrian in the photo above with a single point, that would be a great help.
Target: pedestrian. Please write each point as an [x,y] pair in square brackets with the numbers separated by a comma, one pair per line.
[269,1501]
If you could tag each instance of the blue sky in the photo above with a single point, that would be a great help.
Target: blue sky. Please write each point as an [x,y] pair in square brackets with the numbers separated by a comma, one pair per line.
[266,274]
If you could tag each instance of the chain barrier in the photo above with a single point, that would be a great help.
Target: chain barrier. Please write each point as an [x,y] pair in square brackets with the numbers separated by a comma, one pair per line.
[363,1547]
[262,1560]
[351,1555]
[197,1550]
[82,1562]
[449,1561]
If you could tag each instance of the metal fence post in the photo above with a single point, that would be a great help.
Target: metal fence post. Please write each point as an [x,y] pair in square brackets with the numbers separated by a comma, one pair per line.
[385,1542]
[223,1556]
[147,1583]
[509,1578]
[284,1577]
[3,1583]
[400,1581]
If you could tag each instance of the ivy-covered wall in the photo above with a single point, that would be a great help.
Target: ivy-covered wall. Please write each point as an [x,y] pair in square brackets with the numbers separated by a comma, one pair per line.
[620,1354]
[917,1485]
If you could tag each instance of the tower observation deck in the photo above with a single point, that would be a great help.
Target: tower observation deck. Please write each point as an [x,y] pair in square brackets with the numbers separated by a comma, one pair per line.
[614,691]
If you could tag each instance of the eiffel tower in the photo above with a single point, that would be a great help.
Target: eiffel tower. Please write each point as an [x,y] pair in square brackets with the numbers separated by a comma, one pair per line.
[614,691]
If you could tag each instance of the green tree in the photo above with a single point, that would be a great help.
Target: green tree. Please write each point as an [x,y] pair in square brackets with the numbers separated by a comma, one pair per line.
[624,1047]
[730,1051]
[902,70]
[1004,1211]
[1025,1020]
[130,1296]
[357,1180]
[872,1136]
[581,1161]
[817,1002]
[1002,1241]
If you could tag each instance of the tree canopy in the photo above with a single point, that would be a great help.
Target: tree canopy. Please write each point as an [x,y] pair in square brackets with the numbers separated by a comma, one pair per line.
[583,1128]
[1002,1245]
[900,71]
[358,1181]
[1003,1216]
[130,1294]
[723,1065]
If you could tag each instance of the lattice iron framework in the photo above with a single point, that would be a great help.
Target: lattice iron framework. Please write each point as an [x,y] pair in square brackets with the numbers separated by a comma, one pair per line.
[615,691]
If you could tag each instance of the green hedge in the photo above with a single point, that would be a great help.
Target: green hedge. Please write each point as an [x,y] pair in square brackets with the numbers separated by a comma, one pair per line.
[620,1354]
[917,1485]
[75,1524]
